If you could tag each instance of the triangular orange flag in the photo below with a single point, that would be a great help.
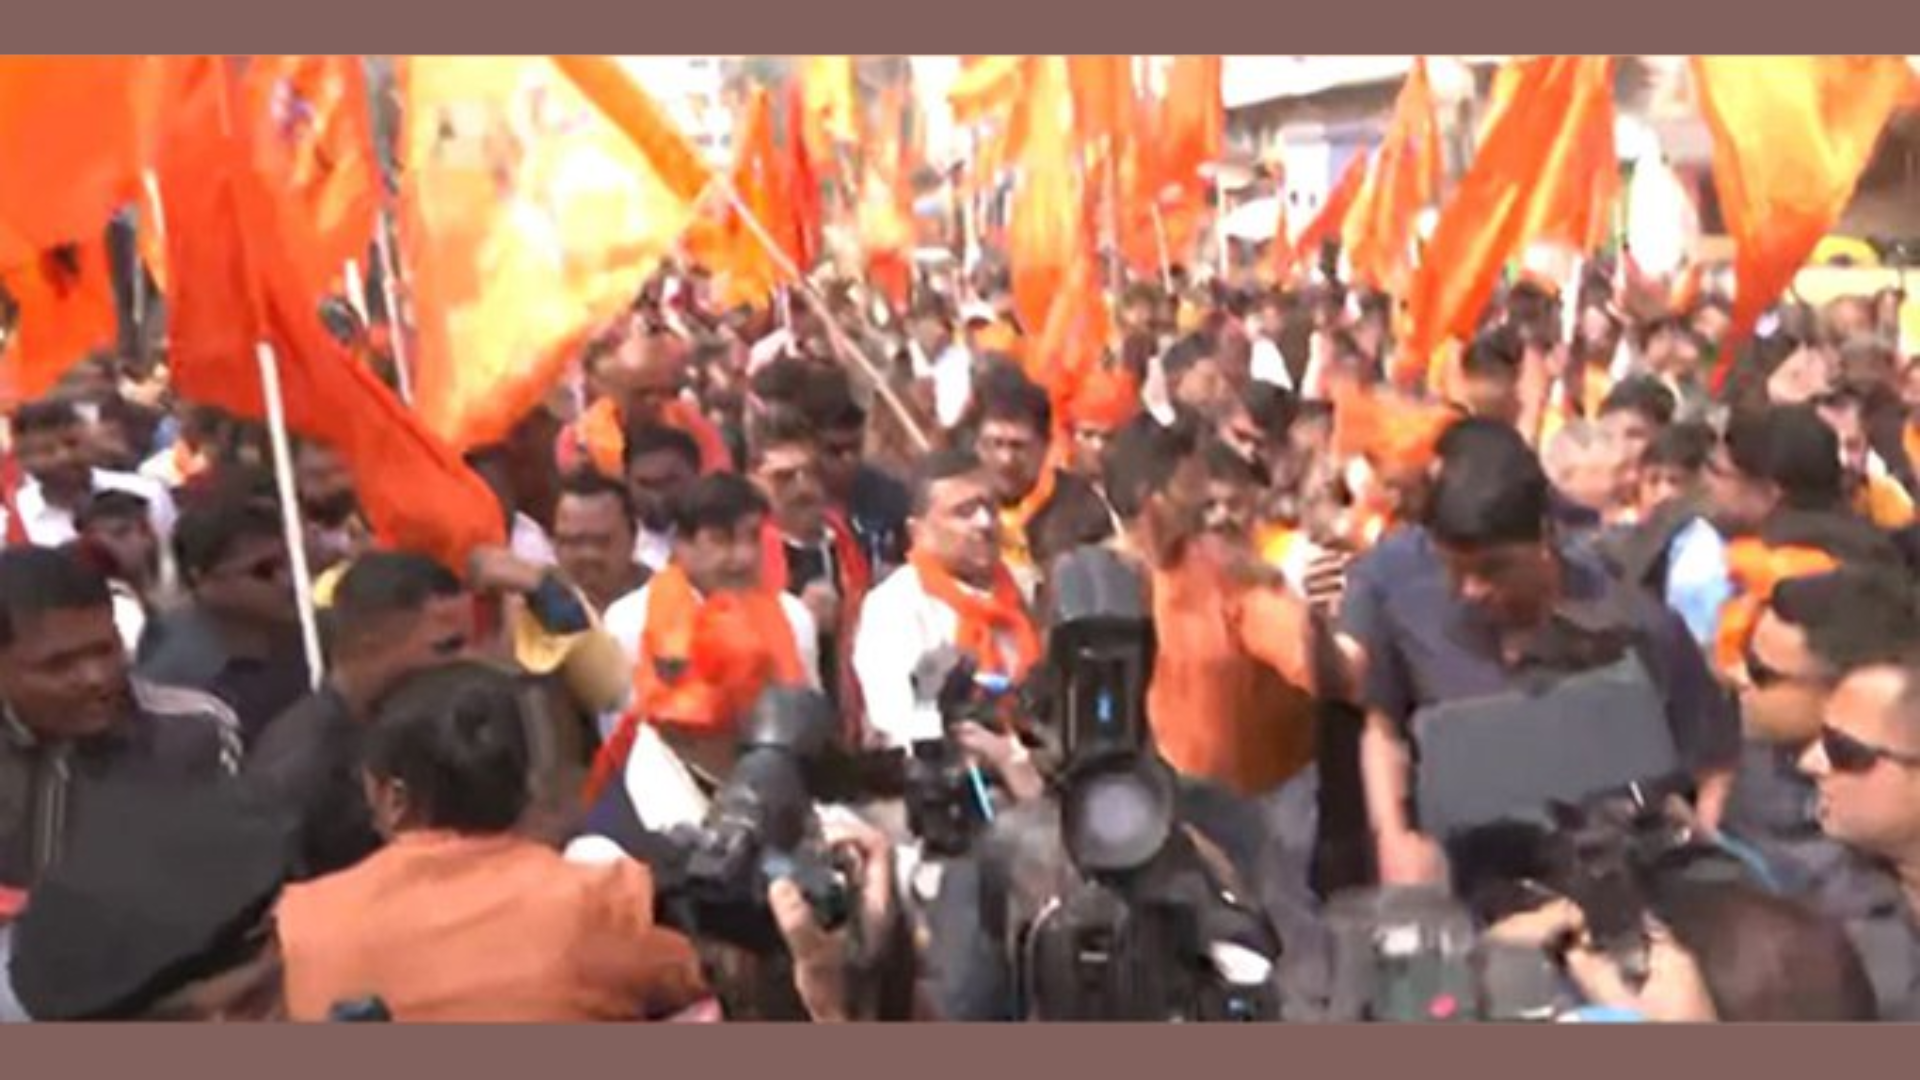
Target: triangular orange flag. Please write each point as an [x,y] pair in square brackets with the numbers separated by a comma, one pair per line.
[1332,216]
[1047,215]
[1405,177]
[238,285]
[66,310]
[1533,174]
[746,274]
[316,145]
[1791,135]
[525,237]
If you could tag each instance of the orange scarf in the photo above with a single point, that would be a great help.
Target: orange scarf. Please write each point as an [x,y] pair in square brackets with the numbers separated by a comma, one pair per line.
[1757,570]
[600,434]
[856,577]
[703,663]
[984,619]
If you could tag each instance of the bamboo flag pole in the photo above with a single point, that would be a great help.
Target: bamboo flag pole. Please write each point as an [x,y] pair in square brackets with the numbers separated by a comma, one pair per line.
[841,341]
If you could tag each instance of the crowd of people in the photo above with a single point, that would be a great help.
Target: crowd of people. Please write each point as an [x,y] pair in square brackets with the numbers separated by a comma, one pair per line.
[1575,572]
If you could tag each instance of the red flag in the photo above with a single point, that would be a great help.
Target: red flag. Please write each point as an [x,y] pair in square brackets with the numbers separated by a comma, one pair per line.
[315,144]
[1404,179]
[1532,176]
[236,284]
[1791,135]
[66,310]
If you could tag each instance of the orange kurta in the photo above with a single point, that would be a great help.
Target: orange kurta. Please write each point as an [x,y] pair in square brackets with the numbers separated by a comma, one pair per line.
[1227,702]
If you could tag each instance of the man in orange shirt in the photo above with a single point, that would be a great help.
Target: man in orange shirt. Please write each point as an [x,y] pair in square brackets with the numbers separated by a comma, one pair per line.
[1230,700]
[460,918]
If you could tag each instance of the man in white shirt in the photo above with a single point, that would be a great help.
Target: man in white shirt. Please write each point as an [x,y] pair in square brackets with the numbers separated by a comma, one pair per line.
[717,549]
[956,558]
[50,440]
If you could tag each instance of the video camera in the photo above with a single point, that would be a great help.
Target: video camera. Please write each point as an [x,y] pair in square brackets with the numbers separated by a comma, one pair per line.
[760,828]
[948,798]
[1151,929]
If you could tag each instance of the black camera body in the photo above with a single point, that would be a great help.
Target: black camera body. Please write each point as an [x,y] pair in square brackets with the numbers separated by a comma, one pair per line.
[1150,928]
[760,828]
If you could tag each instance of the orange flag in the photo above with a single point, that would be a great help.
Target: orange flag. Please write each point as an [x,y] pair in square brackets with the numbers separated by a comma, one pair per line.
[1047,216]
[237,283]
[1328,223]
[1791,135]
[1195,121]
[886,204]
[75,132]
[833,110]
[988,87]
[1281,254]
[1532,176]
[539,195]
[1405,177]
[802,180]
[315,143]
[722,242]
[1073,340]
[66,310]
[1102,97]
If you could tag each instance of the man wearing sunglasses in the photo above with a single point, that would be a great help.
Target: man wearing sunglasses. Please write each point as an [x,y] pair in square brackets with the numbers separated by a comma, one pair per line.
[1813,632]
[238,638]
[1865,763]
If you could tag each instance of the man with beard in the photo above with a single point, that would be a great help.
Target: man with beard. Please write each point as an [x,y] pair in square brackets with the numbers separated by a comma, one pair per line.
[660,463]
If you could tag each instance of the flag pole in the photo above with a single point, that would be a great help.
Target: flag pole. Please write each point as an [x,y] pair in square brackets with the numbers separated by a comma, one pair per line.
[390,294]
[290,510]
[841,342]
[1160,242]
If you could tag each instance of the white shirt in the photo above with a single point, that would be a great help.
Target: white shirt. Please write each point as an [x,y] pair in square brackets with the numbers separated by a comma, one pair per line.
[652,549]
[626,620]
[952,375]
[1269,365]
[529,542]
[900,624]
[51,526]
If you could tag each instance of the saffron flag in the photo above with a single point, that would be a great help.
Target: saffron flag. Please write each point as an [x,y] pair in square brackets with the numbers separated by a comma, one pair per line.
[1533,174]
[1791,136]
[1047,219]
[1378,233]
[237,284]
[66,310]
[539,195]
[315,143]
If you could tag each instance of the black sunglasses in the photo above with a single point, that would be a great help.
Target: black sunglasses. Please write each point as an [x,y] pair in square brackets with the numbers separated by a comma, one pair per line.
[1849,755]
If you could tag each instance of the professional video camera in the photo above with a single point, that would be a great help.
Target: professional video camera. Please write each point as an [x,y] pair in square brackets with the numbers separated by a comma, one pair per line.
[1152,926]
[713,878]
[1414,955]
[948,798]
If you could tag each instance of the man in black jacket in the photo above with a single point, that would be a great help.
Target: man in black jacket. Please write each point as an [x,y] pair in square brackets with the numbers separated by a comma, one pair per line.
[391,615]
[75,720]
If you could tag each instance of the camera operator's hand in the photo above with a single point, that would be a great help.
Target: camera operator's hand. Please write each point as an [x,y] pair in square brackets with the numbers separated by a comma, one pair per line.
[822,958]
[1675,991]
[1004,757]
